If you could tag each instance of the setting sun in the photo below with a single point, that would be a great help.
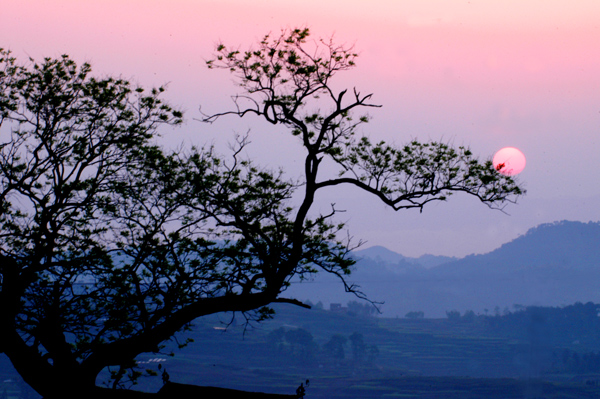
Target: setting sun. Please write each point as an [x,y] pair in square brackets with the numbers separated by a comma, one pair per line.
[509,161]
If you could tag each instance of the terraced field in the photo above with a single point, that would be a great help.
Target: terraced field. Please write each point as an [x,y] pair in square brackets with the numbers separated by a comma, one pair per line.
[423,358]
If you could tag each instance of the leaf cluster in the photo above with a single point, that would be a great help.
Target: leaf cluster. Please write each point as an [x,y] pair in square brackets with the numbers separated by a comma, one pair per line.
[284,74]
[109,245]
[286,70]
[418,173]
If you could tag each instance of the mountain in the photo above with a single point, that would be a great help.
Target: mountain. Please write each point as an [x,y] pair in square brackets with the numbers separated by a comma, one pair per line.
[561,245]
[379,253]
[383,255]
[551,265]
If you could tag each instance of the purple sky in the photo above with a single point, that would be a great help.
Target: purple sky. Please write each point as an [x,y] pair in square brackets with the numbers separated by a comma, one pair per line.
[487,74]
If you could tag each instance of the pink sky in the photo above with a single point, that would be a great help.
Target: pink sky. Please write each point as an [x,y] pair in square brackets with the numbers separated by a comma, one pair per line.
[488,73]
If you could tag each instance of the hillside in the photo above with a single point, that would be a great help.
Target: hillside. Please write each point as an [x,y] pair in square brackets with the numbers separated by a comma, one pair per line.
[561,245]
[481,357]
[551,265]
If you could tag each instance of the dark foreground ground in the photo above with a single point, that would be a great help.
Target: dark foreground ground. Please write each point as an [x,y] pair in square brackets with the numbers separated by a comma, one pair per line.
[351,355]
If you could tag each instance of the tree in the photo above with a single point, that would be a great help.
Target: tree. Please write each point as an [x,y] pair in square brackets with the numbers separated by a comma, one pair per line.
[74,142]
[415,315]
[110,245]
[106,239]
[301,342]
[356,308]
[284,78]
[359,348]
[453,315]
[335,347]
[276,337]
[468,317]
[372,353]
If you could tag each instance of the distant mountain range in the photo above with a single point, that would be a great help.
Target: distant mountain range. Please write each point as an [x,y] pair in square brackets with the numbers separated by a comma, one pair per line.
[551,265]
[384,255]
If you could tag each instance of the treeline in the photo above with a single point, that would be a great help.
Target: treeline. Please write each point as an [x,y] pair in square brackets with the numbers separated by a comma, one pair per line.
[299,345]
[570,361]
[550,340]
[352,308]
[576,324]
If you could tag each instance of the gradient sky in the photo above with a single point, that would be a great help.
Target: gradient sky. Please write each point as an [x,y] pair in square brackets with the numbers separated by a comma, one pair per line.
[487,73]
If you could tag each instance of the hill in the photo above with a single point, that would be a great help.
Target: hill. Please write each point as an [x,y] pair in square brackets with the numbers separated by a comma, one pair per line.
[561,245]
[381,254]
[476,357]
[551,265]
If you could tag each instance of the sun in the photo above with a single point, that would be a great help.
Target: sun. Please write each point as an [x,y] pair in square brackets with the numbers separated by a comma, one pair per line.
[509,161]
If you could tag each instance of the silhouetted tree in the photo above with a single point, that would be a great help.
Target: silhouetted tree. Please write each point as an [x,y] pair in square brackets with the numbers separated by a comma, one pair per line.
[335,347]
[372,353]
[468,317]
[359,348]
[415,315]
[361,309]
[276,337]
[110,245]
[453,315]
[302,343]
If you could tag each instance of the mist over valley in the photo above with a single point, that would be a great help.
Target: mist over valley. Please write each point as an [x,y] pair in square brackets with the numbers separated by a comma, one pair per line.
[552,264]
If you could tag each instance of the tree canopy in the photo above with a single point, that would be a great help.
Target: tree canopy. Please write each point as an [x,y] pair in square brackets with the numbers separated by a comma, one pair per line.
[286,76]
[110,245]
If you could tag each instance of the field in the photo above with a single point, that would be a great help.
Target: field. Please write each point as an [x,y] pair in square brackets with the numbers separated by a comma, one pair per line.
[394,358]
